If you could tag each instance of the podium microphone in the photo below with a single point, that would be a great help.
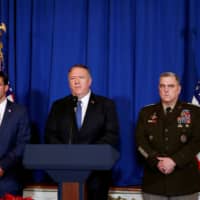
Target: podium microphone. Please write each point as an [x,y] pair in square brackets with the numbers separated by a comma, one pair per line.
[74,102]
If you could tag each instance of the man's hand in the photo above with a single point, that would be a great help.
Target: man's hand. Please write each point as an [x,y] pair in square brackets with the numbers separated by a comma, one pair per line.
[1,172]
[166,165]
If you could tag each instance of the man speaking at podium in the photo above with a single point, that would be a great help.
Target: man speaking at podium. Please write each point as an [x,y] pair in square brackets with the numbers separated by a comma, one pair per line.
[84,118]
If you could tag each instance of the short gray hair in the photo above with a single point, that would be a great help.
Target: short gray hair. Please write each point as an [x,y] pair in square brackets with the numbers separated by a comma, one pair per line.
[170,74]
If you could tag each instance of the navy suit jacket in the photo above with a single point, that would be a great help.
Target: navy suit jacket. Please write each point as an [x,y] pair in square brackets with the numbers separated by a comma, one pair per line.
[14,134]
[100,125]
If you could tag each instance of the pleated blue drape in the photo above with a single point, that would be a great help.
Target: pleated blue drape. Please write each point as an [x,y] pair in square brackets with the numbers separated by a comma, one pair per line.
[126,44]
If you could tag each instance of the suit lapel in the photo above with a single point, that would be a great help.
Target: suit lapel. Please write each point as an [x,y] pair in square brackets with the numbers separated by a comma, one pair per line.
[7,114]
[69,114]
[90,112]
[159,110]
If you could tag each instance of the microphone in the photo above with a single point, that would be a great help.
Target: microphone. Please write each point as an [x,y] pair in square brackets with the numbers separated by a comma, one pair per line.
[71,125]
[74,100]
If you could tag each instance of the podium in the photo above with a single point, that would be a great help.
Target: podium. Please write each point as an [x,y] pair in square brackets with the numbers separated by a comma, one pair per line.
[70,165]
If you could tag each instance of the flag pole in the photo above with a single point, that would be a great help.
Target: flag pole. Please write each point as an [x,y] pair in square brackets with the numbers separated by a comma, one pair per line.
[10,94]
[2,31]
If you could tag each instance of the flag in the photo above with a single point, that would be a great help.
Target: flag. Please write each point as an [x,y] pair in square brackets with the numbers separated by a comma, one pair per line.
[10,94]
[196,97]
[2,31]
[196,101]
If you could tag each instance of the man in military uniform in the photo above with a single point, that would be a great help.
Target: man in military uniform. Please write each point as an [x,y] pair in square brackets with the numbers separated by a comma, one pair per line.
[168,137]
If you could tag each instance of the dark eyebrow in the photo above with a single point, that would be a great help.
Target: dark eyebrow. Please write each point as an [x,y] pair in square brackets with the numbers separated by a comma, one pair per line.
[169,85]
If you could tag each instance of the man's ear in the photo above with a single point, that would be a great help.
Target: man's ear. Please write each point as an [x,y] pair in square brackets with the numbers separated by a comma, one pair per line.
[180,89]
[90,81]
[6,88]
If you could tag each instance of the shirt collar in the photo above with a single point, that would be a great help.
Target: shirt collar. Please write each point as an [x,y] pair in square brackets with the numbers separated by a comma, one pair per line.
[3,103]
[86,98]
[3,108]
[166,106]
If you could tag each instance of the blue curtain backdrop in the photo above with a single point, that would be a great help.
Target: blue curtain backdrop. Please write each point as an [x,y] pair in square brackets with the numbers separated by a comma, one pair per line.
[127,44]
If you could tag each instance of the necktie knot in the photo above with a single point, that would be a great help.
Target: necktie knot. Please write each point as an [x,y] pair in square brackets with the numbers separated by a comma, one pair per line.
[79,102]
[168,110]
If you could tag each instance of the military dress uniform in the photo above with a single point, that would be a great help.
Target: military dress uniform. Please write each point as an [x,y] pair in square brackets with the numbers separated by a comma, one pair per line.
[175,135]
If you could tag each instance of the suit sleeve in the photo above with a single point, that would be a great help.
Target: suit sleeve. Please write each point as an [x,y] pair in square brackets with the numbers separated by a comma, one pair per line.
[19,138]
[110,133]
[51,136]
[149,154]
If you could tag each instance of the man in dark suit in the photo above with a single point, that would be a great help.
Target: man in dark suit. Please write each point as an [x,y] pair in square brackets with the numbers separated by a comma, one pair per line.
[14,134]
[97,124]
[168,137]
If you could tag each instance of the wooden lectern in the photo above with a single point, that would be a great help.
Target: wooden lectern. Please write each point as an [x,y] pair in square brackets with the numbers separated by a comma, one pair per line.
[70,165]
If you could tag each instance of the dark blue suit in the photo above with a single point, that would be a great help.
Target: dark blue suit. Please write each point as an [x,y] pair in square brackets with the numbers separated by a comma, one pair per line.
[100,126]
[14,134]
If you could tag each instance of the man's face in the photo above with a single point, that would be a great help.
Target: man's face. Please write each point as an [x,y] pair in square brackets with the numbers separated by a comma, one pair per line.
[169,90]
[3,90]
[79,81]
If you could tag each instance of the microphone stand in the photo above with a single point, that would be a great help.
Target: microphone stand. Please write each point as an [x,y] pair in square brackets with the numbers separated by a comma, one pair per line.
[74,101]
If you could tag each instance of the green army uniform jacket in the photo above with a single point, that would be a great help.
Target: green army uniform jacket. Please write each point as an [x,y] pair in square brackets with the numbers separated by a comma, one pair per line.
[175,135]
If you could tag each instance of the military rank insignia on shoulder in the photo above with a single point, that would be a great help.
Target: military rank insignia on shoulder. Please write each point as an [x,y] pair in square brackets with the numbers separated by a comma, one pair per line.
[194,105]
[149,105]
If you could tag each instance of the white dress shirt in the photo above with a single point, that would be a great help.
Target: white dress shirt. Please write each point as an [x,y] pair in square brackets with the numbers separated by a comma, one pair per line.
[84,105]
[2,109]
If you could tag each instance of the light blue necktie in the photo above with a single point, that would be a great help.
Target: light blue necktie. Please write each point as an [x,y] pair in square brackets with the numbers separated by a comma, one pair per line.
[78,114]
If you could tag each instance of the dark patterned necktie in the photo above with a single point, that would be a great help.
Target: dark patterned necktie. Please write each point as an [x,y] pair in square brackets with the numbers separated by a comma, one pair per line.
[168,110]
